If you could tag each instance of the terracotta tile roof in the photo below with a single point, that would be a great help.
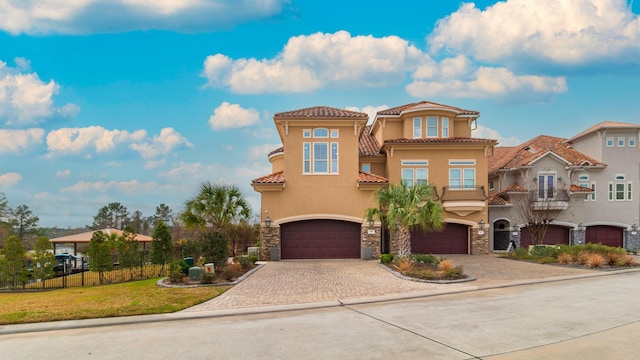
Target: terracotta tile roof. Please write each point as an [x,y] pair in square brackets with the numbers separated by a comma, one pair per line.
[577,188]
[275,178]
[532,150]
[278,150]
[606,125]
[454,140]
[368,145]
[365,177]
[514,188]
[320,112]
[497,200]
[399,109]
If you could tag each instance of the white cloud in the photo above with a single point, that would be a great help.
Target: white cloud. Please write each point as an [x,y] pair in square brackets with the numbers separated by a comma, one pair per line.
[130,187]
[319,60]
[227,116]
[487,82]
[167,141]
[369,110]
[488,133]
[10,179]
[261,152]
[562,31]
[25,99]
[63,173]
[184,170]
[16,141]
[86,140]
[101,16]
[340,60]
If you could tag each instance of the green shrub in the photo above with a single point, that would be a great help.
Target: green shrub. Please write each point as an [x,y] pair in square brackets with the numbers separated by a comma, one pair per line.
[386,258]
[253,259]
[427,275]
[454,272]
[208,278]
[425,259]
[244,261]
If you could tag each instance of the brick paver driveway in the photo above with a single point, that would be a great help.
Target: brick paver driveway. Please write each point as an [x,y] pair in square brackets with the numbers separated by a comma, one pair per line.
[308,281]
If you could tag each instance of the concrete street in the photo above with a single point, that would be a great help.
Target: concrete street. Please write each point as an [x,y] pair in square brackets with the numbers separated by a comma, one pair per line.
[584,318]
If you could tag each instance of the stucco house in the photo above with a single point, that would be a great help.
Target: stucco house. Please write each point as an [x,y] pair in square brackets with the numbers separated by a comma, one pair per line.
[593,177]
[333,161]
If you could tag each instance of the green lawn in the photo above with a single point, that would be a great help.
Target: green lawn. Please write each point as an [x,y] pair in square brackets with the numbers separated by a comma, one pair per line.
[132,298]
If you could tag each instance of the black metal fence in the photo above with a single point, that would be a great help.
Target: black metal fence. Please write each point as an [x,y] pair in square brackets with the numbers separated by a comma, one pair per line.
[77,273]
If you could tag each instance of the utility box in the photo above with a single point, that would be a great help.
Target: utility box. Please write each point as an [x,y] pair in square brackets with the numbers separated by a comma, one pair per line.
[274,253]
[209,269]
[189,261]
[195,273]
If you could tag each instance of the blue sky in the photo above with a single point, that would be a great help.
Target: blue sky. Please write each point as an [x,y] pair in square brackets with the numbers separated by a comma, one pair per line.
[140,101]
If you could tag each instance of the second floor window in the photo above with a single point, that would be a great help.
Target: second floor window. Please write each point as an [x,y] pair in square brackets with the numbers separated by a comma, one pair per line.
[546,185]
[415,172]
[320,157]
[463,175]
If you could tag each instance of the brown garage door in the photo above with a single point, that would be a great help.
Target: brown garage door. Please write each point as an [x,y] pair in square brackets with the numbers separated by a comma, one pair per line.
[555,235]
[320,239]
[606,235]
[453,239]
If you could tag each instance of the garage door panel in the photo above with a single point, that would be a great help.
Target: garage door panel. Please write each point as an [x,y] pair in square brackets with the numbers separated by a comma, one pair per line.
[320,239]
[606,235]
[453,239]
[554,235]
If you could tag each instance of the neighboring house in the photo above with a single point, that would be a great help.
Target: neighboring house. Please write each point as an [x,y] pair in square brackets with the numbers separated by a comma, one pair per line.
[593,177]
[332,163]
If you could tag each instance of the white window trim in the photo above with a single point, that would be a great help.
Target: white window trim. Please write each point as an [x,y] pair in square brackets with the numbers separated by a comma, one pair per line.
[330,153]
[609,142]
[621,142]
[363,165]
[437,127]
[447,127]
[417,129]
[631,142]
[546,190]
[334,131]
[593,193]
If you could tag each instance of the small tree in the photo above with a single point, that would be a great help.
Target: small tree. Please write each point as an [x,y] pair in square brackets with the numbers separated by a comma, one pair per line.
[23,220]
[161,245]
[43,260]
[215,248]
[402,207]
[99,251]
[538,212]
[13,266]
[129,253]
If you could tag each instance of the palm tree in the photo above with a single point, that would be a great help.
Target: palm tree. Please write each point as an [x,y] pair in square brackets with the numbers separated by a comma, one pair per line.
[215,207]
[402,207]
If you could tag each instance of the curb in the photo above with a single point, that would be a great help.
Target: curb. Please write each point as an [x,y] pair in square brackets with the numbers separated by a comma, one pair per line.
[190,315]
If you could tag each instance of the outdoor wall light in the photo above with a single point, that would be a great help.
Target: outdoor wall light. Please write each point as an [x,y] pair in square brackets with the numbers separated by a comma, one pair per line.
[581,227]
[634,229]
[371,221]
[267,221]
[481,226]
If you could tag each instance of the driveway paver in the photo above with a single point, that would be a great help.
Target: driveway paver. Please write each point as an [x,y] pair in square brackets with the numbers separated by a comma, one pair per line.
[312,281]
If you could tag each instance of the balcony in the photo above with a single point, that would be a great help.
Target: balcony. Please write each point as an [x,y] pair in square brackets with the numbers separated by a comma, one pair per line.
[463,201]
[552,200]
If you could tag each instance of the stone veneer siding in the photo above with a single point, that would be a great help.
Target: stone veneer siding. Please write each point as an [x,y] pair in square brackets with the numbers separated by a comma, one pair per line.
[372,240]
[632,240]
[479,243]
[269,238]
